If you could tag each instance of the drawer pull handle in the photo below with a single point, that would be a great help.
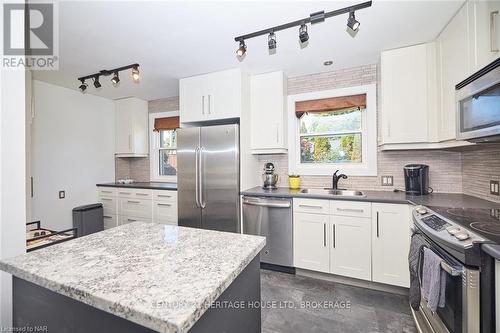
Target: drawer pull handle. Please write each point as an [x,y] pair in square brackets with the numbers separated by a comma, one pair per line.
[310,206]
[107,217]
[143,194]
[127,193]
[350,210]
[106,199]
[134,202]
[131,220]
[107,191]
[162,204]
[164,196]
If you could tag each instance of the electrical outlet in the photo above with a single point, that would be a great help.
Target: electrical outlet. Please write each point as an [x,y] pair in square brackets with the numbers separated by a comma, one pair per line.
[62,194]
[494,187]
[387,180]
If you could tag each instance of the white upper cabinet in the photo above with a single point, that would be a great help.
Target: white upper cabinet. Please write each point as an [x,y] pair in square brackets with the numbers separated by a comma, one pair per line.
[408,94]
[484,22]
[211,96]
[268,113]
[131,127]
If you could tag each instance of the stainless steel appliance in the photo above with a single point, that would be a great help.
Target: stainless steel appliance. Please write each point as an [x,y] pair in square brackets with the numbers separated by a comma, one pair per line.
[416,179]
[208,177]
[456,235]
[269,178]
[478,105]
[272,218]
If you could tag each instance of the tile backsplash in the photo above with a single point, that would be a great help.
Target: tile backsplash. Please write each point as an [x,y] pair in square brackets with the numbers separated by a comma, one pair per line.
[481,164]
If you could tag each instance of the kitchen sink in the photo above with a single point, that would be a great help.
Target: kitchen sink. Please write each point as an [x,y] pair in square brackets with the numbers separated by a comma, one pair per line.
[329,191]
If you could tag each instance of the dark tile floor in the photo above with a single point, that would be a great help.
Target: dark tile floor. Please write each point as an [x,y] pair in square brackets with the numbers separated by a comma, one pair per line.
[345,309]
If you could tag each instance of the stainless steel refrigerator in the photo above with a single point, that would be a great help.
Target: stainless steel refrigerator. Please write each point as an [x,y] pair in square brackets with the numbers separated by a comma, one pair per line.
[208,177]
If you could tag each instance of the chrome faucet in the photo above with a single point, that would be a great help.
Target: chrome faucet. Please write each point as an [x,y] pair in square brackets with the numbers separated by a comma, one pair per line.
[336,178]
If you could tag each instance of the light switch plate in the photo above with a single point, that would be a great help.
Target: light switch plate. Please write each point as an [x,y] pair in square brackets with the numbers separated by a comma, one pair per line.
[62,194]
[494,187]
[387,180]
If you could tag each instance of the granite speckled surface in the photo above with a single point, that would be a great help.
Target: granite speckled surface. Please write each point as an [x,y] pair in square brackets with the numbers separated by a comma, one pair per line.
[160,276]
[452,200]
[143,185]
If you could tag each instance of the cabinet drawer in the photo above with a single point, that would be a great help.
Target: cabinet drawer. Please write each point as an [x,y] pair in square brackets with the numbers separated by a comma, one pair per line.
[164,195]
[106,191]
[108,205]
[131,219]
[110,221]
[135,207]
[125,192]
[351,208]
[143,194]
[311,206]
[163,211]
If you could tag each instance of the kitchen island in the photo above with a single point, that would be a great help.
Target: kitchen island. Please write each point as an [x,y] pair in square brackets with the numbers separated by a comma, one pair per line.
[140,277]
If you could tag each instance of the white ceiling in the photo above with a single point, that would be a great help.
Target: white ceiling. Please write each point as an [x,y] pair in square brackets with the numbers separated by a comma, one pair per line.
[171,40]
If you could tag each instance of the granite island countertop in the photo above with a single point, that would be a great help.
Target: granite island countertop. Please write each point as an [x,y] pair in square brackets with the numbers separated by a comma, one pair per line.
[452,200]
[162,277]
[143,185]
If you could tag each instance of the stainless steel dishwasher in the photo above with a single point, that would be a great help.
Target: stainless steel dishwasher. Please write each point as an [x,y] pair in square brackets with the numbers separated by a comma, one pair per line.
[272,218]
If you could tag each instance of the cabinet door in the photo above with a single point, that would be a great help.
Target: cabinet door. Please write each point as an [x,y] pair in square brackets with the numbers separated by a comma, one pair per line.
[165,212]
[391,244]
[310,242]
[224,95]
[123,127]
[110,221]
[267,107]
[351,247]
[404,95]
[454,67]
[193,99]
[485,17]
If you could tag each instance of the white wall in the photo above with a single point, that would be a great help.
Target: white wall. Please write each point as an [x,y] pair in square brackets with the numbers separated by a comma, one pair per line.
[12,179]
[72,149]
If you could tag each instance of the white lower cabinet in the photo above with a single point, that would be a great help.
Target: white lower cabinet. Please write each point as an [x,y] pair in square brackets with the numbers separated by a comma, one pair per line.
[391,243]
[355,239]
[310,241]
[110,221]
[350,250]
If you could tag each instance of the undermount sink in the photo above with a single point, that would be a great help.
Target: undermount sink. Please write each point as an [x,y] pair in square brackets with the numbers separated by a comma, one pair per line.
[329,191]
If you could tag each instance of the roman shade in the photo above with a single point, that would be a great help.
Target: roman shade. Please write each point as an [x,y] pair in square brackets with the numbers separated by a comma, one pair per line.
[167,123]
[330,104]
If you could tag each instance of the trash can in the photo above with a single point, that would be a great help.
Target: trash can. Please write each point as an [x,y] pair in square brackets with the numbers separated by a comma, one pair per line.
[88,219]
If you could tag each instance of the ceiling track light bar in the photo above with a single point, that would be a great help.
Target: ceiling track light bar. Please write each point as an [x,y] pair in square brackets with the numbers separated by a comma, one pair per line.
[106,72]
[313,18]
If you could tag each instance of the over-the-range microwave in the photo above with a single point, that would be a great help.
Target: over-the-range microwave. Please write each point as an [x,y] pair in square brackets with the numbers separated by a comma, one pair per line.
[478,105]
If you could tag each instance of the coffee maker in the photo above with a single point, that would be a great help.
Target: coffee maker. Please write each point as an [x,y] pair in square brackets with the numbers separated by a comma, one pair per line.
[416,179]
[269,177]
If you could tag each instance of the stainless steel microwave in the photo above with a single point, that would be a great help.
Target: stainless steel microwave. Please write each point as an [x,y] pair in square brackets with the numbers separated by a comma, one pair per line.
[478,105]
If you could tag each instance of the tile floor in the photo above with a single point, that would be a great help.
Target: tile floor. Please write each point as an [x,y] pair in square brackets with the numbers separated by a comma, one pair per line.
[369,311]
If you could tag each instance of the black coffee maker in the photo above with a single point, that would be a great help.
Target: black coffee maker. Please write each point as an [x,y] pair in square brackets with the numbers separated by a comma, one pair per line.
[416,179]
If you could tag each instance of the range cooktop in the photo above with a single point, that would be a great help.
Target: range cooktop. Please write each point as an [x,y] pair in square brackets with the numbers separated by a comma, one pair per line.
[481,221]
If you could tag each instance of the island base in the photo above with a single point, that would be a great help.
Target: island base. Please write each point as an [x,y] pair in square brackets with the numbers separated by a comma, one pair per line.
[236,310]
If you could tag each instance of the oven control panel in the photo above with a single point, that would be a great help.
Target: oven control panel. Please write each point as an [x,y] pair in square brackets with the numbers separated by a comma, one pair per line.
[435,222]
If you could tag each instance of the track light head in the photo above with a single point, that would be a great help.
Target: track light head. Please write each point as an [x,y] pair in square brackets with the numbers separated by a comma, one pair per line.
[115,79]
[240,52]
[352,23]
[135,74]
[83,86]
[303,35]
[97,84]
[271,41]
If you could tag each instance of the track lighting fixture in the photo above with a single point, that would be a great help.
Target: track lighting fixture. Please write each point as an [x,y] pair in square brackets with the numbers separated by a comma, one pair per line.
[116,79]
[135,74]
[97,84]
[352,23]
[271,41]
[313,18]
[105,72]
[303,35]
[240,52]
[83,86]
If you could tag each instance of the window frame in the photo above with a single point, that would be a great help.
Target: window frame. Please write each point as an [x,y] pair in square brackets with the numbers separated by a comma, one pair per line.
[368,166]
[154,148]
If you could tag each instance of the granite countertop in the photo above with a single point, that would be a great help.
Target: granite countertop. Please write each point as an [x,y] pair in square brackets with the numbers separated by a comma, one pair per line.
[160,276]
[144,185]
[452,200]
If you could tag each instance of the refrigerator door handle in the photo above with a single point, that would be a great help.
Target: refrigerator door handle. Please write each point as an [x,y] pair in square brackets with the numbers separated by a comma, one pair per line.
[196,177]
[201,180]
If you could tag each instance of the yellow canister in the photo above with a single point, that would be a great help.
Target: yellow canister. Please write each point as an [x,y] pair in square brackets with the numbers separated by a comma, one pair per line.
[294,182]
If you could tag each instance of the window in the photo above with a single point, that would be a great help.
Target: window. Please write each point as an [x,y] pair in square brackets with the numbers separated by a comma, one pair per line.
[333,129]
[163,146]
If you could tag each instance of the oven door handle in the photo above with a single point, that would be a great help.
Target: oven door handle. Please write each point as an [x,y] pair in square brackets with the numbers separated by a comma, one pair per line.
[450,269]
